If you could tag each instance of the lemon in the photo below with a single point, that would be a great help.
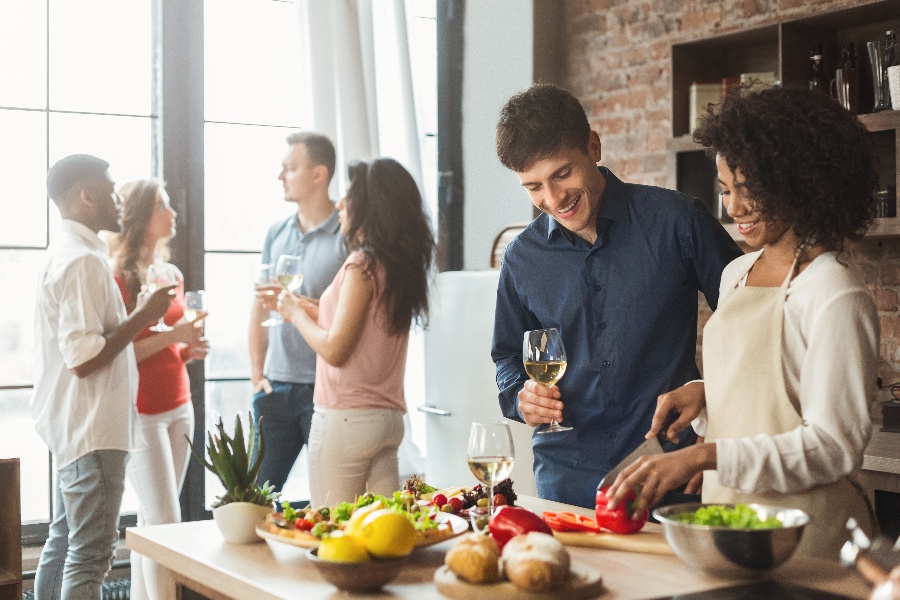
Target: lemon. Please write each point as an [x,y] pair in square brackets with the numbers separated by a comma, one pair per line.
[387,533]
[354,523]
[338,547]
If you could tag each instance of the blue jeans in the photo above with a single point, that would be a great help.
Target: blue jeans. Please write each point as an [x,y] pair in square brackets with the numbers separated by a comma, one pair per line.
[287,417]
[79,550]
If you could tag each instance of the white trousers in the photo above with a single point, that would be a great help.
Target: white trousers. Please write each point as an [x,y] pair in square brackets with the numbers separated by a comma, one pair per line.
[352,452]
[156,470]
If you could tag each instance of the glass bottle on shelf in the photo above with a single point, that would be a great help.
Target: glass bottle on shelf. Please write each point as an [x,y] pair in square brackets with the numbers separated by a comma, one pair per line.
[816,79]
[889,60]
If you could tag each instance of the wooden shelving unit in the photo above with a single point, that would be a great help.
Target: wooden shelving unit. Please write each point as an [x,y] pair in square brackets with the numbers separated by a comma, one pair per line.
[781,48]
[10,531]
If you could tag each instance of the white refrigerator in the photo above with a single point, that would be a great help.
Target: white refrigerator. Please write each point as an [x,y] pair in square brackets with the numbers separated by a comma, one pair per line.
[460,385]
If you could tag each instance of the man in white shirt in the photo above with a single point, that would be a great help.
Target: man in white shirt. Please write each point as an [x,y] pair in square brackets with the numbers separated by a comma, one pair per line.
[85,380]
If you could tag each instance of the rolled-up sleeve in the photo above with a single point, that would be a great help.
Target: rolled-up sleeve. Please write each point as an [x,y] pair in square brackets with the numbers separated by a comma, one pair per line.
[83,302]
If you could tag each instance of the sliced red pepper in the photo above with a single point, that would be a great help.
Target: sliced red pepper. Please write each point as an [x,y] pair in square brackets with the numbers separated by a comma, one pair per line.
[568,521]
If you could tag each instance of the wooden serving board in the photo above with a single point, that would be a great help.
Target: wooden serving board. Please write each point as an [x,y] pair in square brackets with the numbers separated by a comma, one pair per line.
[583,583]
[642,541]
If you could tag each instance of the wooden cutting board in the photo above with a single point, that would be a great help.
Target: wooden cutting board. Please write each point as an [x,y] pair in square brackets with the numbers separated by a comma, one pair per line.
[583,583]
[642,541]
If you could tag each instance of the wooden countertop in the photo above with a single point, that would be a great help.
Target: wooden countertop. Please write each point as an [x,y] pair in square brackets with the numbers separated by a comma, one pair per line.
[197,556]
[883,452]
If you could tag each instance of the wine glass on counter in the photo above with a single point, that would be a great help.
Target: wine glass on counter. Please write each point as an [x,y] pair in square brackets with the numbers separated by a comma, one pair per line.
[491,456]
[194,304]
[160,274]
[545,363]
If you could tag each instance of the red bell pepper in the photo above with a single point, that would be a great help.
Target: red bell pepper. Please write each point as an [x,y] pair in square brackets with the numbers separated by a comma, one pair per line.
[568,521]
[510,521]
[621,519]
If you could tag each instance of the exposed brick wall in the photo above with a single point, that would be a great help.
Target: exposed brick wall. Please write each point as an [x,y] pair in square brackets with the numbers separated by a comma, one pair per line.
[618,64]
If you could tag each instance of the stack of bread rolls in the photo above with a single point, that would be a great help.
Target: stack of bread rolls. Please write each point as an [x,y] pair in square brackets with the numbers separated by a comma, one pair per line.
[535,561]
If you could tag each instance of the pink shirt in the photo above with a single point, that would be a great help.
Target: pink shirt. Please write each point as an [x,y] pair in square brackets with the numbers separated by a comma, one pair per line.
[373,375]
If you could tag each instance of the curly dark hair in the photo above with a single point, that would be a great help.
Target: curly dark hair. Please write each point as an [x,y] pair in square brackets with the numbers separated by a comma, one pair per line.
[128,245]
[537,123]
[806,160]
[384,204]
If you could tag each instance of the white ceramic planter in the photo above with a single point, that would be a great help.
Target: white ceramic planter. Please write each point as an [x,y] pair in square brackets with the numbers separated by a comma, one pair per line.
[237,521]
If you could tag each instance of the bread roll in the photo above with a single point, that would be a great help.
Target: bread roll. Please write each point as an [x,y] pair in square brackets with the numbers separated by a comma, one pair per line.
[536,562]
[475,558]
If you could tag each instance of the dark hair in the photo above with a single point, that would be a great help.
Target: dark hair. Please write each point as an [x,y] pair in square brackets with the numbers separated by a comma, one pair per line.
[72,171]
[383,203]
[539,122]
[128,245]
[807,161]
[318,146]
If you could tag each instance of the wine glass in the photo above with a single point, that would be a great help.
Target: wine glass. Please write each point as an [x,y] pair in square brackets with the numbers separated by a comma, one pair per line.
[194,302]
[160,274]
[545,362]
[491,456]
[289,276]
[265,277]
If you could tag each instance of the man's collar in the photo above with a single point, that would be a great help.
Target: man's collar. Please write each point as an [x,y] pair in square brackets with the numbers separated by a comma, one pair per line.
[331,224]
[82,231]
[613,207]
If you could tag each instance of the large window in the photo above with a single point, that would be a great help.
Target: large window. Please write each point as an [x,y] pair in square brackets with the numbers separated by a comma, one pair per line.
[92,76]
[71,83]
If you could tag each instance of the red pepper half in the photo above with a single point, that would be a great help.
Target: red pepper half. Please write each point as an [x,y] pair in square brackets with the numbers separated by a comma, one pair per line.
[568,521]
[619,519]
[510,521]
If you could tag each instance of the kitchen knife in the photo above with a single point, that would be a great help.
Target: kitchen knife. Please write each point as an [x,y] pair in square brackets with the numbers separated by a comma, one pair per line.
[647,447]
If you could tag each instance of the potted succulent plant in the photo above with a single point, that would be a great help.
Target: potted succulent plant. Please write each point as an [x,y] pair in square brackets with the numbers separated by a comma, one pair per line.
[232,460]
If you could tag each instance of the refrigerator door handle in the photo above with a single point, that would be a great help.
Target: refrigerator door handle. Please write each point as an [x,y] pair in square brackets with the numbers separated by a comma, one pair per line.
[431,410]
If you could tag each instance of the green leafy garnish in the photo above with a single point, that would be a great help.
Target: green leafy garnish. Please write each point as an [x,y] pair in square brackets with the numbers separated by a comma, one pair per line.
[739,517]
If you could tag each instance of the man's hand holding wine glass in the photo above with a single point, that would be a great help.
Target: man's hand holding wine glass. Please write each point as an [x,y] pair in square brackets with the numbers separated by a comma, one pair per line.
[153,306]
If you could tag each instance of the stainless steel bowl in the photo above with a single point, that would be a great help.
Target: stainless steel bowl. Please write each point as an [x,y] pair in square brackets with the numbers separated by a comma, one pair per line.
[733,552]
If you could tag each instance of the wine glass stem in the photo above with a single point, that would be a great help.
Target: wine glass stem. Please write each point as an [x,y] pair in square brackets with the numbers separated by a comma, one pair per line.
[490,501]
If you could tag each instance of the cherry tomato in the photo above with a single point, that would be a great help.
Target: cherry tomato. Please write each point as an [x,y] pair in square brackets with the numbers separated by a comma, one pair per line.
[456,502]
[303,524]
[499,500]
[439,500]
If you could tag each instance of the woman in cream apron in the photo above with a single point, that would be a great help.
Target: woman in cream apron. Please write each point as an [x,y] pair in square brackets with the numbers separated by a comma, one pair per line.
[790,355]
[746,363]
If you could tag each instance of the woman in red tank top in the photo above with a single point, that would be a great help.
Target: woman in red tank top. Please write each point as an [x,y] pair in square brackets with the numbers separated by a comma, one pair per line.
[165,413]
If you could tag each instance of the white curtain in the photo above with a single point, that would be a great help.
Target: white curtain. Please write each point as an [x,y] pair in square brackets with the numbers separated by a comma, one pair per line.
[357,73]
[358,77]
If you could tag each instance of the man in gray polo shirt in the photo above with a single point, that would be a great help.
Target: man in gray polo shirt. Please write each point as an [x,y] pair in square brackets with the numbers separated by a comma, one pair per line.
[283,366]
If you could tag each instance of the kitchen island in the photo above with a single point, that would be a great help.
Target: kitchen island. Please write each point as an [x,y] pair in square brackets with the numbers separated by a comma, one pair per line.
[195,557]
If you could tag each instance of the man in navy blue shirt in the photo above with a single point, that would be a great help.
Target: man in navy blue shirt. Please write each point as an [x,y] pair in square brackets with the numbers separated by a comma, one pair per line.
[616,268]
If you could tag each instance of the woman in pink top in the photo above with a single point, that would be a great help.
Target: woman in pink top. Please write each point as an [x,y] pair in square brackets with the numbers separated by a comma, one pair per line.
[360,329]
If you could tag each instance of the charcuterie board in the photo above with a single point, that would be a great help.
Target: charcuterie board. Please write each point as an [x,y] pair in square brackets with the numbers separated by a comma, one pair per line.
[583,583]
[455,526]
[643,541]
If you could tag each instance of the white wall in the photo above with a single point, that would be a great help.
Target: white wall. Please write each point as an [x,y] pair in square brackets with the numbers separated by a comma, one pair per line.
[498,62]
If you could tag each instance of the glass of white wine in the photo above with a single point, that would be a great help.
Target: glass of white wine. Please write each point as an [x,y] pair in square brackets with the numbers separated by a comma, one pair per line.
[160,274]
[289,275]
[265,278]
[545,362]
[194,303]
[491,456]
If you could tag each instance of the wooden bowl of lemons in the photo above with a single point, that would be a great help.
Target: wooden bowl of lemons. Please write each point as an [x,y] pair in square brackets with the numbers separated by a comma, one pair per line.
[366,576]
